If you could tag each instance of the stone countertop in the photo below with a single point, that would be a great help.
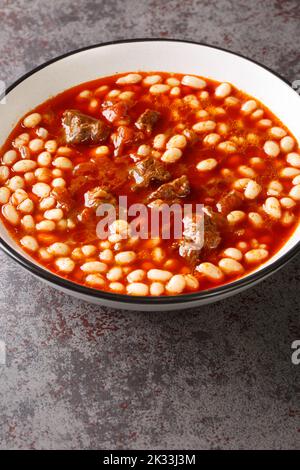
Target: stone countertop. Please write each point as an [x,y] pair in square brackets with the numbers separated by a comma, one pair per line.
[82,376]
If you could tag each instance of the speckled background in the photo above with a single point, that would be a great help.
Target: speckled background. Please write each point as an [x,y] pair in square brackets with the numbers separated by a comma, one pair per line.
[81,376]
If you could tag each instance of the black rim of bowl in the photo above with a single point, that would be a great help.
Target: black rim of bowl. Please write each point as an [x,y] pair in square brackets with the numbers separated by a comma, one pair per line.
[222,291]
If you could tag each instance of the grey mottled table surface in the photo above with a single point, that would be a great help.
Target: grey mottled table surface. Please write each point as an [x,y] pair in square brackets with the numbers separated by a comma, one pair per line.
[81,376]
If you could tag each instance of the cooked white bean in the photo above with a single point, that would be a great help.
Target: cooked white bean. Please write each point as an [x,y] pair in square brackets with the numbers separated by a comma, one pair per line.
[96,280]
[51,146]
[233,253]
[191,282]
[59,249]
[125,257]
[9,157]
[193,82]
[26,206]
[29,177]
[22,139]
[42,133]
[4,173]
[211,271]
[129,79]
[277,132]
[44,158]
[227,147]
[287,144]
[230,266]
[120,227]
[24,165]
[171,155]
[272,207]
[246,171]
[295,192]
[106,255]
[176,284]
[223,90]
[157,288]
[274,188]
[136,276]
[248,107]
[211,139]
[115,274]
[28,223]
[152,80]
[4,195]
[258,114]
[158,254]
[159,88]
[232,101]
[264,123]
[63,163]
[159,275]
[53,214]
[256,255]
[296,180]
[45,226]
[293,159]
[236,217]
[256,219]
[287,218]
[36,145]
[41,189]
[44,254]
[18,196]
[65,265]
[29,243]
[252,190]
[144,150]
[117,287]
[178,141]
[94,267]
[204,126]
[43,174]
[271,148]
[102,150]
[289,172]
[16,182]
[207,165]
[125,95]
[159,141]
[58,183]
[287,202]
[137,288]
[10,214]
[32,120]
[202,114]
[241,183]
[47,203]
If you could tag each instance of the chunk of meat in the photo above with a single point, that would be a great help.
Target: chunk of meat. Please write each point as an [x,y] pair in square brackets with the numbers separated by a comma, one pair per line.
[230,202]
[114,112]
[97,196]
[201,234]
[83,129]
[148,171]
[147,121]
[173,191]
[190,136]
[124,136]
[63,198]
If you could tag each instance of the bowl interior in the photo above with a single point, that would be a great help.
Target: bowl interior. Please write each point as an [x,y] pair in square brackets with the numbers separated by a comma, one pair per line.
[153,55]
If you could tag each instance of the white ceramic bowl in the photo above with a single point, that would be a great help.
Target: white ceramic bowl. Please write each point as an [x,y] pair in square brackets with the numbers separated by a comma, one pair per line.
[150,55]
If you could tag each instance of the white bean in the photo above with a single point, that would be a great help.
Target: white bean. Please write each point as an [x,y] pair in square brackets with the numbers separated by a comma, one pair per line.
[287,202]
[287,144]
[277,132]
[24,165]
[29,243]
[236,217]
[137,288]
[44,158]
[274,188]
[296,180]
[51,146]
[191,281]
[152,80]
[117,287]
[159,88]
[157,288]
[115,274]
[256,219]
[36,145]
[178,141]
[59,249]
[246,171]
[204,126]
[63,163]
[32,120]
[65,264]
[230,266]
[272,207]
[223,90]
[96,280]
[252,190]
[227,147]
[289,172]
[271,148]
[26,206]
[210,271]
[9,157]
[106,255]
[94,267]
[241,183]
[129,79]
[28,223]
[193,82]
[233,253]
[10,214]
[211,139]
[171,155]
[144,150]
[125,257]
[4,195]
[16,182]
[264,123]
[54,214]
[159,275]
[287,218]
[136,276]
[293,159]
[159,141]
[295,192]
[207,165]
[41,189]
[256,255]
[176,284]
[248,107]
[45,226]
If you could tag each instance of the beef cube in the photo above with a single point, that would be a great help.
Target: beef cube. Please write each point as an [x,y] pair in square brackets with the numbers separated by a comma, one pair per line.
[173,191]
[230,202]
[82,129]
[63,198]
[124,136]
[97,196]
[115,112]
[147,121]
[148,171]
